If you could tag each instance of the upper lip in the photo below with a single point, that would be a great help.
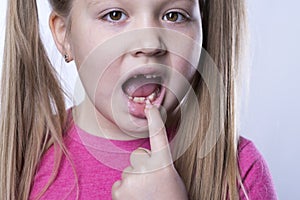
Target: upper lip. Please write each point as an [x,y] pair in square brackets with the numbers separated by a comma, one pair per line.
[152,69]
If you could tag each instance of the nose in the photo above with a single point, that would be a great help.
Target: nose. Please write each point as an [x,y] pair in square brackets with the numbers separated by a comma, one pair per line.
[149,52]
[149,43]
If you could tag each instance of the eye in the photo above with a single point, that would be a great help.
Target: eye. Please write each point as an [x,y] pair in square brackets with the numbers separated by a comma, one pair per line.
[115,16]
[175,16]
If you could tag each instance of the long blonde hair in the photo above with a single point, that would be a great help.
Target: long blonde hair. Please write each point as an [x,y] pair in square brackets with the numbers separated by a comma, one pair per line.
[32,102]
[216,175]
[33,111]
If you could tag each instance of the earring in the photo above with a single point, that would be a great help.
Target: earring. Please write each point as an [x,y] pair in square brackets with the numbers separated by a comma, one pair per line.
[66,57]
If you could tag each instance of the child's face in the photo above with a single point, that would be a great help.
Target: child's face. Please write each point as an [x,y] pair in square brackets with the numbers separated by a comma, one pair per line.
[128,51]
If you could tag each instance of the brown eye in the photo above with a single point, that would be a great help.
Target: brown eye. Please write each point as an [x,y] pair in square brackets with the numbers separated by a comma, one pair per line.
[115,16]
[173,16]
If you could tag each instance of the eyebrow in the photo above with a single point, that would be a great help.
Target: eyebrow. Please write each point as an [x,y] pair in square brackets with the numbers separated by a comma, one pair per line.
[92,3]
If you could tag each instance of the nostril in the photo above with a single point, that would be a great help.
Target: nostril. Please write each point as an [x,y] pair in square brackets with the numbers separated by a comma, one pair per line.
[149,52]
[160,52]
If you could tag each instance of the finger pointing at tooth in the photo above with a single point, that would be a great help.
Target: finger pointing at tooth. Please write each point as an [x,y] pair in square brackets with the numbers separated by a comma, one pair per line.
[149,172]
[158,138]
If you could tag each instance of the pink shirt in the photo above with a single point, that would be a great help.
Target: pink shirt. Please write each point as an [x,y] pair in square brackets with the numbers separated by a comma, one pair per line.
[99,163]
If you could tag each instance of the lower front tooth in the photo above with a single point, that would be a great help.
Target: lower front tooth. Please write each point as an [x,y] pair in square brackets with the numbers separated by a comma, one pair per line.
[139,99]
[148,102]
[151,96]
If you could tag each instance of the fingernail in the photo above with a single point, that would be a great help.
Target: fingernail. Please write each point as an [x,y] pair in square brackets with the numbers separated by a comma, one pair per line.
[148,104]
[147,107]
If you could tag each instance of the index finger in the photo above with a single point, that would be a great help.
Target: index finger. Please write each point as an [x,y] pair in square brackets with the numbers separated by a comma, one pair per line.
[157,132]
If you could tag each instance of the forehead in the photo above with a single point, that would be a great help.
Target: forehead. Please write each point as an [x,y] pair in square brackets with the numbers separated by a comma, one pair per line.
[95,2]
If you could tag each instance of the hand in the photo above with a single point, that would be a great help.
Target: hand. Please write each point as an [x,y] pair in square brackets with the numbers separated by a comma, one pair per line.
[152,174]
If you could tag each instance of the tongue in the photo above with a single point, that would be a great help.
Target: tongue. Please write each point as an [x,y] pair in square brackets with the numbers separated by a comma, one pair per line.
[144,90]
[140,86]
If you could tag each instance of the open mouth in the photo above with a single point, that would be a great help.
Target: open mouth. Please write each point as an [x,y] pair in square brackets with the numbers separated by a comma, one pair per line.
[143,89]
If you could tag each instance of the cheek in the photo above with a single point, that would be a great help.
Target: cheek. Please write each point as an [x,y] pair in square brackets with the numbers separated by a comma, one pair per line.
[180,81]
[82,46]
[84,39]
[108,90]
[108,81]
[184,68]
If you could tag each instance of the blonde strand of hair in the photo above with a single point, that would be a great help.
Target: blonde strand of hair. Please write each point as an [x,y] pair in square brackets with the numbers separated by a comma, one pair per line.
[32,101]
[216,176]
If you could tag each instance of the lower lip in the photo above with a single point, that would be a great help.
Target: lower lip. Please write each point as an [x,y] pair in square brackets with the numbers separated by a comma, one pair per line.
[138,109]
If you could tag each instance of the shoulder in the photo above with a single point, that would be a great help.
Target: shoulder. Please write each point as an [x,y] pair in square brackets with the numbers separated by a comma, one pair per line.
[254,171]
[63,182]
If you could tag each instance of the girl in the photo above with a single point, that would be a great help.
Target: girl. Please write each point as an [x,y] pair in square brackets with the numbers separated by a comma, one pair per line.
[135,58]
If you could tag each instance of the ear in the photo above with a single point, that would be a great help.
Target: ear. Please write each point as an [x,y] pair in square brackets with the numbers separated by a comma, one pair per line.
[58,26]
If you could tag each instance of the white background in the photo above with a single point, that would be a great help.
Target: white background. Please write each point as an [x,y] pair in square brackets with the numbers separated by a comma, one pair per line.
[271,118]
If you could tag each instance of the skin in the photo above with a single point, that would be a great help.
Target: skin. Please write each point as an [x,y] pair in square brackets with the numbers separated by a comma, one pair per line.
[152,174]
[92,26]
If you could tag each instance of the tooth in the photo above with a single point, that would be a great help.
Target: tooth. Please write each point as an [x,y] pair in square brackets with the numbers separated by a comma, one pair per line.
[148,76]
[153,76]
[135,76]
[148,102]
[139,99]
[130,97]
[152,96]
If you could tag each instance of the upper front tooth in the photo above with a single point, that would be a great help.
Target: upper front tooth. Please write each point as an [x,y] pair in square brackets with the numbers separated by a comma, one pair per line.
[150,76]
